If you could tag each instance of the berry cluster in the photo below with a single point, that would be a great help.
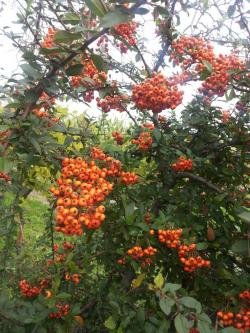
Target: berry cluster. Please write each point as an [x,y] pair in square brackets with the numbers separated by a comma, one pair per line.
[45,102]
[118,137]
[156,94]
[116,102]
[140,254]
[194,330]
[83,185]
[190,259]
[89,72]
[182,164]
[31,291]
[144,141]
[60,257]
[5,177]
[216,83]
[147,218]
[245,295]
[240,320]
[189,51]
[103,41]
[4,135]
[149,126]
[61,311]
[170,237]
[226,116]
[48,41]
[129,178]
[72,277]
[127,32]
[46,115]
[186,253]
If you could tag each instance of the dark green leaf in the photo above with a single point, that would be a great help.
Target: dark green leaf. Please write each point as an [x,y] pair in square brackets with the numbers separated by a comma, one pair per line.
[75,70]
[63,36]
[241,247]
[98,61]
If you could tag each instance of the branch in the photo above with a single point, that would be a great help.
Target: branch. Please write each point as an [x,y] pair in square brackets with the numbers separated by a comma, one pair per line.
[199,179]
[143,60]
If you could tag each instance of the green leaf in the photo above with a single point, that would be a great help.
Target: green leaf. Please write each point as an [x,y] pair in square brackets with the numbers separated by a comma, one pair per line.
[157,134]
[171,287]
[96,7]
[98,61]
[230,330]
[166,305]
[71,18]
[36,145]
[159,280]
[181,324]
[207,65]
[30,71]
[5,164]
[241,246]
[75,70]
[113,18]
[110,323]
[63,36]
[192,303]
[244,214]
[204,327]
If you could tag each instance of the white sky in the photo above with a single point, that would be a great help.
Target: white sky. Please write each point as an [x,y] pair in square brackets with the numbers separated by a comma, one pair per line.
[10,58]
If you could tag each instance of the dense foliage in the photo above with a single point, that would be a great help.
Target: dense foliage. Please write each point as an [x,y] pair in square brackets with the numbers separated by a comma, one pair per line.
[142,225]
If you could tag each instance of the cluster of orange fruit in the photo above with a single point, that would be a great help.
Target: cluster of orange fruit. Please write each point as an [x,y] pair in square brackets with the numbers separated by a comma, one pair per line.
[116,102]
[189,258]
[91,72]
[45,102]
[60,257]
[83,185]
[48,41]
[60,311]
[127,32]
[182,164]
[186,253]
[170,237]
[226,116]
[156,94]
[189,51]
[143,255]
[5,177]
[31,291]
[144,141]
[245,295]
[129,178]
[240,320]
[75,278]
[118,137]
